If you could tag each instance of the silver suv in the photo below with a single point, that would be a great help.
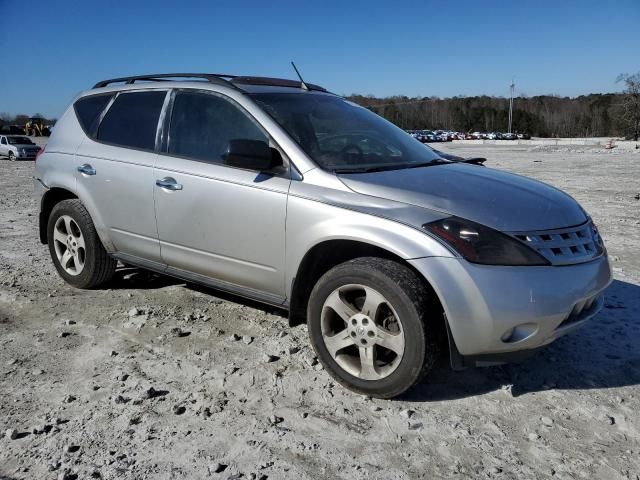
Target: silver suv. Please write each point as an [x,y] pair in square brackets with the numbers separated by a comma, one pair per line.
[282,192]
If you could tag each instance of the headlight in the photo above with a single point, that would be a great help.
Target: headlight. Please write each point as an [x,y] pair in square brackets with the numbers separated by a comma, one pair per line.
[597,239]
[480,244]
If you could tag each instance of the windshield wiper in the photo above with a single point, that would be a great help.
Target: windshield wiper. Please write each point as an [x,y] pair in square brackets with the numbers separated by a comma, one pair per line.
[435,161]
[366,169]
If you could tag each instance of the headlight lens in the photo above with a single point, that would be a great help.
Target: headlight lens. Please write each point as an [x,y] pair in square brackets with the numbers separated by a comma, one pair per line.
[597,239]
[480,244]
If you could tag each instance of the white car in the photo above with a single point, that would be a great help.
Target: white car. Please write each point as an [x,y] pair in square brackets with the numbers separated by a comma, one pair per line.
[16,146]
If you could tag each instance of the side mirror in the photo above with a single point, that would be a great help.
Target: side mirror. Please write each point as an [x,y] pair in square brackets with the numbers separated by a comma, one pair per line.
[252,155]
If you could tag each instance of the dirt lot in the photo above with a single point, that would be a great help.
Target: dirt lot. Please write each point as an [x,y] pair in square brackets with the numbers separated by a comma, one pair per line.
[155,379]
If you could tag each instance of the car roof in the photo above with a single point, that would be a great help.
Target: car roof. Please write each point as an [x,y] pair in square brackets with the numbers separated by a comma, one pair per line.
[249,84]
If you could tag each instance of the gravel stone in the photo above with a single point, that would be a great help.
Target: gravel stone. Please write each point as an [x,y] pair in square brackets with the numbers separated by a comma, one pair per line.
[274,420]
[217,468]
[179,409]
[407,413]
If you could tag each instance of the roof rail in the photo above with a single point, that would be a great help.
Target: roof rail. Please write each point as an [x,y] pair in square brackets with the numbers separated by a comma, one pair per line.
[220,79]
[274,82]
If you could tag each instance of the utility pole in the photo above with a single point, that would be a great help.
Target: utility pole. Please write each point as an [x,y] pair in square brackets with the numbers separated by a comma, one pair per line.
[512,88]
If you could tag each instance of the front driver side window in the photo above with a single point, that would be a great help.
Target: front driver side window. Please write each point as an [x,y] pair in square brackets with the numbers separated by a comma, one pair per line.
[4,141]
[202,125]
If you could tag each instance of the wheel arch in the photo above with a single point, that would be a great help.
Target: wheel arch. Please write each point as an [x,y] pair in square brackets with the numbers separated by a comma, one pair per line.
[50,199]
[327,254]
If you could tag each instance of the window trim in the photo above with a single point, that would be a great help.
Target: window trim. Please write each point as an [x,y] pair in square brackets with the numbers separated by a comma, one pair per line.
[93,128]
[289,170]
[155,148]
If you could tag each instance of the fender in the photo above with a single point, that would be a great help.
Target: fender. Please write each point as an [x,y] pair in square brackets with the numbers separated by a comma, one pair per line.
[313,221]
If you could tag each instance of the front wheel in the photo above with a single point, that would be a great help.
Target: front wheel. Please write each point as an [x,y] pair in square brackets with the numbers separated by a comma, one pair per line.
[368,323]
[76,249]
[12,156]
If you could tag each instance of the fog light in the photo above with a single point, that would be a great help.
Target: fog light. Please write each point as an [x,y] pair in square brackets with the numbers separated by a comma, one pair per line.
[507,335]
[519,333]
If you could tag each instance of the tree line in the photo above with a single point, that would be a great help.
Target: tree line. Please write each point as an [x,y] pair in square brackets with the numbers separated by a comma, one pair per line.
[595,115]
[21,119]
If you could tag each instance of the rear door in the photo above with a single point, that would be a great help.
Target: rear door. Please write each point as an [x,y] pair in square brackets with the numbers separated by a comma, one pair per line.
[220,222]
[4,150]
[115,171]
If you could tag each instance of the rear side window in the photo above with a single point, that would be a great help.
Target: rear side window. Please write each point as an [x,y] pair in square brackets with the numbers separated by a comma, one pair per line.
[203,124]
[88,109]
[132,120]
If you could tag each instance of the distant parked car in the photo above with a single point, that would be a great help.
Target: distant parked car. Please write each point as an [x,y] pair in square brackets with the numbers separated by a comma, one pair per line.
[524,136]
[428,136]
[17,147]
[509,136]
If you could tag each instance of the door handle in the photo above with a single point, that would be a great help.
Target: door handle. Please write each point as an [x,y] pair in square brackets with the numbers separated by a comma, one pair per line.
[168,183]
[87,169]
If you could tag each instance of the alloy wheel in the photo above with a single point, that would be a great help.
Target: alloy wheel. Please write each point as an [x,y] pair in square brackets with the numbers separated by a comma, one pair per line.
[69,245]
[362,332]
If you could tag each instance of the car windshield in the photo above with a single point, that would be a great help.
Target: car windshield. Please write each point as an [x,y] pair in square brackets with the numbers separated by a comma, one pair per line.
[19,141]
[344,137]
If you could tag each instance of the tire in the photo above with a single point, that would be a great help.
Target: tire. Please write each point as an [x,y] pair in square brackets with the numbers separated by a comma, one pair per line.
[12,157]
[405,312]
[71,230]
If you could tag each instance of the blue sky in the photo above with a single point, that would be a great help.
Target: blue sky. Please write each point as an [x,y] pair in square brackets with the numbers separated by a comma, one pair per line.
[440,48]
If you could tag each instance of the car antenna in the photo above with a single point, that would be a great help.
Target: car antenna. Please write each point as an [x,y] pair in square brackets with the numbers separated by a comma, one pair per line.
[302,84]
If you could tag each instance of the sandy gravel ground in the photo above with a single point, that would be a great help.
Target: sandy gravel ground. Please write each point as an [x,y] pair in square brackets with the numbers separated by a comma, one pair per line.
[152,378]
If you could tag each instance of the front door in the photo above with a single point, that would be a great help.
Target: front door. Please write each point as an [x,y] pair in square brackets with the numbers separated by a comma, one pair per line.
[223,223]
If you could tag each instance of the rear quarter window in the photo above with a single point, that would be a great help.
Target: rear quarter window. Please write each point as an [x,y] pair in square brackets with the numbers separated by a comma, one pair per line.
[132,120]
[88,110]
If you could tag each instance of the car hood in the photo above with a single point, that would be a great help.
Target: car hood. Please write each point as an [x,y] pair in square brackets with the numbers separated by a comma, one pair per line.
[500,200]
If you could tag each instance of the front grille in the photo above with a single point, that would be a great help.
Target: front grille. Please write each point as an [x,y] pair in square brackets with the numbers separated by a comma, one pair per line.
[565,246]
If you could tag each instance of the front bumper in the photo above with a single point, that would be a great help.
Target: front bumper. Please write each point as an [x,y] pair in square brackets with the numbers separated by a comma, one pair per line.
[494,311]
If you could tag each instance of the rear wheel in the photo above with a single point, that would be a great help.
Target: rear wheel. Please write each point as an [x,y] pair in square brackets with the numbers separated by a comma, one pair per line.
[368,323]
[75,248]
